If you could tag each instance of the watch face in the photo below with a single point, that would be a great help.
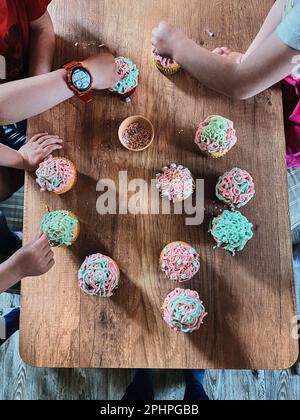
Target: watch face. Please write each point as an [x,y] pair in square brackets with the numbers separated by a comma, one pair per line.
[81,79]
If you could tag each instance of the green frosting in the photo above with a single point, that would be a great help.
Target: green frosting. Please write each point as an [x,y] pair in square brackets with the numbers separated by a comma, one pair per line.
[216,132]
[232,231]
[60,227]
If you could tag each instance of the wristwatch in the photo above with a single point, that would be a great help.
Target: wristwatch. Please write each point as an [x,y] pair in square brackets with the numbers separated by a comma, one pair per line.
[79,80]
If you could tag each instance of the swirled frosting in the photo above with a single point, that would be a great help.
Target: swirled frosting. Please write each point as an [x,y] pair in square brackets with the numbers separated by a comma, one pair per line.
[61,228]
[175,183]
[183,311]
[236,188]
[216,135]
[232,231]
[180,262]
[98,276]
[163,61]
[129,75]
[54,174]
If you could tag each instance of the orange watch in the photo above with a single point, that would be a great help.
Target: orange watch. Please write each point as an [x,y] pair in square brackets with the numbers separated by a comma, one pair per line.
[79,80]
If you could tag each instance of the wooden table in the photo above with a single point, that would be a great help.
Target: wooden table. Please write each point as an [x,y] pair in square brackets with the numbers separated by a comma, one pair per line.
[250,298]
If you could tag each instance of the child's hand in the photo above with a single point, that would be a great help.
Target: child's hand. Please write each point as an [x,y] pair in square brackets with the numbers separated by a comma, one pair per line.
[165,38]
[228,53]
[38,148]
[35,258]
[104,70]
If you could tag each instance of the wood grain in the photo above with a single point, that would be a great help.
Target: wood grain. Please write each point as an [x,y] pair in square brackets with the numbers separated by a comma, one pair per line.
[250,299]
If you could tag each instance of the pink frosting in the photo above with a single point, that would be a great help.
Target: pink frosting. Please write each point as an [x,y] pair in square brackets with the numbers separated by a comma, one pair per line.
[236,187]
[54,174]
[175,183]
[180,262]
[123,68]
[229,141]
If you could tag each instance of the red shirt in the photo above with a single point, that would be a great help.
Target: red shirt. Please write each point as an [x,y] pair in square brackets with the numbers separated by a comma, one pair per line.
[15,18]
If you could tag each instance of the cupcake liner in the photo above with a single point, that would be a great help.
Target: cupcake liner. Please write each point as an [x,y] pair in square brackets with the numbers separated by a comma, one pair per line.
[168,71]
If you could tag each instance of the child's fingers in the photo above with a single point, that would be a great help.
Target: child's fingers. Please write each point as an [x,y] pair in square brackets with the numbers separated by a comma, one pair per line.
[37,136]
[50,149]
[50,141]
[49,255]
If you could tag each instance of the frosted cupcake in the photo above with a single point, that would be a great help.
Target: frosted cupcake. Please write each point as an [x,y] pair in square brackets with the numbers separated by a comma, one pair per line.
[61,227]
[166,65]
[232,231]
[56,175]
[129,77]
[216,136]
[183,311]
[180,262]
[99,276]
[175,182]
[235,188]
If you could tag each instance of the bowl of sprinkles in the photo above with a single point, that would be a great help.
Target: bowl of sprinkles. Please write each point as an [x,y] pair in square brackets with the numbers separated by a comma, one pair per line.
[136,133]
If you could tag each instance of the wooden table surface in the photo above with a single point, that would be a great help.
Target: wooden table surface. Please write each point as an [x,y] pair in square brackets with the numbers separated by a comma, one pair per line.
[250,298]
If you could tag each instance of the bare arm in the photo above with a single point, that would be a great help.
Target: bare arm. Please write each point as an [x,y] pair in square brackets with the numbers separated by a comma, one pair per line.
[42,45]
[26,98]
[267,65]
[32,260]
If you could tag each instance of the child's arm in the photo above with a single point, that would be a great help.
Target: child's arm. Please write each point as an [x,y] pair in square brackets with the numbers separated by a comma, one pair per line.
[42,44]
[272,21]
[34,259]
[31,154]
[26,98]
[267,65]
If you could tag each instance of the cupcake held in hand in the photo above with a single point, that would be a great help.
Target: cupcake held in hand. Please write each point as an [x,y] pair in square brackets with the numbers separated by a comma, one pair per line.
[175,182]
[129,78]
[180,262]
[166,65]
[216,136]
[183,311]
[56,175]
[232,231]
[99,276]
[61,227]
[235,188]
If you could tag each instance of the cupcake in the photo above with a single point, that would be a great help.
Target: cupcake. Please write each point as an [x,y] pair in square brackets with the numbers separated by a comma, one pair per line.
[183,311]
[99,276]
[129,78]
[56,175]
[62,228]
[216,136]
[232,231]
[166,65]
[175,182]
[235,188]
[180,262]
